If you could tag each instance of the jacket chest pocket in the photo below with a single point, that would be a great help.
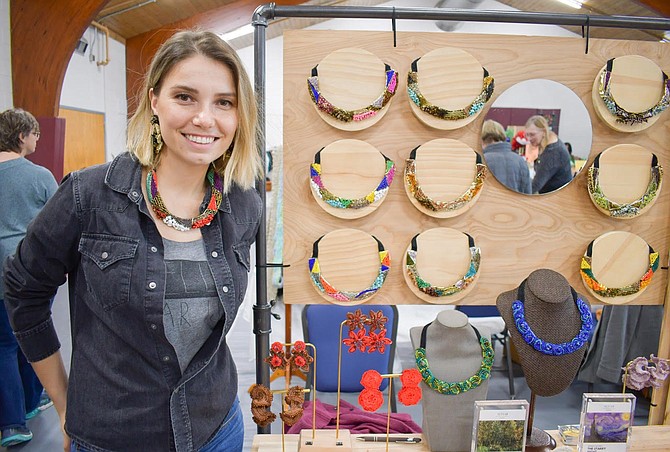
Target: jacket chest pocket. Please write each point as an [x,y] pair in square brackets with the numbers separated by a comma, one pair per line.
[107,264]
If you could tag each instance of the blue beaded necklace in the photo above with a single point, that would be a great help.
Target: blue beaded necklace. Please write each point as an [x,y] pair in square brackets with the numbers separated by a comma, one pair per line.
[549,348]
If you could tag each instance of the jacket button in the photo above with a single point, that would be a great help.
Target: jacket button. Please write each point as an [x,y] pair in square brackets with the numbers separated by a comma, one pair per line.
[154,249]
[154,326]
[225,289]
[215,254]
[152,285]
[104,255]
[166,358]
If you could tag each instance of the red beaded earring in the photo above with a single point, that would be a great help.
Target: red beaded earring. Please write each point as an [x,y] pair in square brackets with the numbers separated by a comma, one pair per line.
[411,393]
[371,397]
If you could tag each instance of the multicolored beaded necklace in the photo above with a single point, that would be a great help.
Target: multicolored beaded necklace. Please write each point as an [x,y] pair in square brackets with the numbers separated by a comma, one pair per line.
[348,295]
[549,348]
[592,283]
[316,183]
[442,206]
[452,115]
[439,291]
[352,115]
[185,224]
[623,115]
[455,387]
[626,210]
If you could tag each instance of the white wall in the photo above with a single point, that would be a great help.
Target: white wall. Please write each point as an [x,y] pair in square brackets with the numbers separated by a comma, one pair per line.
[100,89]
[275,55]
[5,58]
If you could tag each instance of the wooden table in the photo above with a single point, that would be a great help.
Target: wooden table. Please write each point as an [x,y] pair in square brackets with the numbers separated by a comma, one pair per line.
[654,438]
[269,443]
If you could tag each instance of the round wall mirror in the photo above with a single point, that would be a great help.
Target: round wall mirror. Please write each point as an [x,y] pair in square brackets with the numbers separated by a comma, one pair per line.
[536,137]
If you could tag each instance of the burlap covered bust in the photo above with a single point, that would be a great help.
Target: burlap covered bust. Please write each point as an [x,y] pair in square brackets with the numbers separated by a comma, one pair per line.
[552,313]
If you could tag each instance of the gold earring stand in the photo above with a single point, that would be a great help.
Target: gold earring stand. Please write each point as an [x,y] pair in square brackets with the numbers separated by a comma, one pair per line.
[324,440]
[338,440]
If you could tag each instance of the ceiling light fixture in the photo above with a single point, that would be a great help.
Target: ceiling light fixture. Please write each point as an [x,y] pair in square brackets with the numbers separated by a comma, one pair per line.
[572,3]
[237,33]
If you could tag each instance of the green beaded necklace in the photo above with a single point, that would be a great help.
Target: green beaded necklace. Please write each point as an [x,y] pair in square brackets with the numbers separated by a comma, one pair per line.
[455,387]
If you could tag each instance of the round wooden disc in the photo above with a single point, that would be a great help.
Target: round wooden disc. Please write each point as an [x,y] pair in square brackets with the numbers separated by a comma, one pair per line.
[625,173]
[448,78]
[443,257]
[636,84]
[348,260]
[350,79]
[618,259]
[351,169]
[445,169]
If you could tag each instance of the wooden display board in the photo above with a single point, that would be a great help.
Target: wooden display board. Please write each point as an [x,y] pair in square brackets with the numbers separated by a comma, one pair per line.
[516,233]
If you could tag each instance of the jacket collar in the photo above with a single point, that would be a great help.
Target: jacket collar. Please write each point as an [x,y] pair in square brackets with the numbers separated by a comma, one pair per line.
[124,175]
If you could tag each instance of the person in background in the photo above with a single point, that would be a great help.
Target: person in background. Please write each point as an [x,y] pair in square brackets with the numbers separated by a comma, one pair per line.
[24,189]
[507,166]
[156,248]
[552,167]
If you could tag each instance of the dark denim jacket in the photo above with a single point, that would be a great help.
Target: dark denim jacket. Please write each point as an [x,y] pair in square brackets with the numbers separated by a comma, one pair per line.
[126,391]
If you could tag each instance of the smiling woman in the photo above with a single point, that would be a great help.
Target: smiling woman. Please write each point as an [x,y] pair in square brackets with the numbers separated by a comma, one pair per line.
[156,291]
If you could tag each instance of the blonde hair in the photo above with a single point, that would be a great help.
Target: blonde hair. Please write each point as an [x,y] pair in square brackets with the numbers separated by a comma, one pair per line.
[541,123]
[245,165]
[493,132]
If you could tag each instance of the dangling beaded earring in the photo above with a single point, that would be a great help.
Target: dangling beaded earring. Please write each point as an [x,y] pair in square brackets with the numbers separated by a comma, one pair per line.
[156,137]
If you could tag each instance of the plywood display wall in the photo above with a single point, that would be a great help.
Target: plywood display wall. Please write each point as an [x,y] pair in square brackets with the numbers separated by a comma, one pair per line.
[516,233]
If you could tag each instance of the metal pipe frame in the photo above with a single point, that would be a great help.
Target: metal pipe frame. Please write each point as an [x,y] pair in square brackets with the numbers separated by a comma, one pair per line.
[271,11]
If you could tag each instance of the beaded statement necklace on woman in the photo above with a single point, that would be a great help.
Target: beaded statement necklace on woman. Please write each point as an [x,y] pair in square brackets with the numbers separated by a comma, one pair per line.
[455,387]
[549,348]
[185,224]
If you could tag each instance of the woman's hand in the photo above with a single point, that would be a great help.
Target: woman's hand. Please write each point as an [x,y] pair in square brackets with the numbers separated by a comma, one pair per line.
[67,442]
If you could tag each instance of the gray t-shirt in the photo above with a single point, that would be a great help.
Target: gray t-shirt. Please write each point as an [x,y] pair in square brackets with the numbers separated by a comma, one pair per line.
[191,308]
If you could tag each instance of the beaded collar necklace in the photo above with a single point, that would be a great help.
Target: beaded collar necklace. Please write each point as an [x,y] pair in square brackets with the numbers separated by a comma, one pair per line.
[623,115]
[352,115]
[440,206]
[455,387]
[420,101]
[343,203]
[592,283]
[185,224]
[549,348]
[348,295]
[440,291]
[626,210]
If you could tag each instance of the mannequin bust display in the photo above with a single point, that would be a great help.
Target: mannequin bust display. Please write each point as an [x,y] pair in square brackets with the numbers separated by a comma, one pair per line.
[454,354]
[551,312]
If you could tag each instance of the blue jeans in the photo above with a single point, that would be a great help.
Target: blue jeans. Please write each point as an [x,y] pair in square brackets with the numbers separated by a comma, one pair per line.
[229,437]
[20,390]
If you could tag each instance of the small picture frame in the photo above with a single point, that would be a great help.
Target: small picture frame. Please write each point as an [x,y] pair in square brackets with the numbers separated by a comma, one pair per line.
[499,425]
[606,422]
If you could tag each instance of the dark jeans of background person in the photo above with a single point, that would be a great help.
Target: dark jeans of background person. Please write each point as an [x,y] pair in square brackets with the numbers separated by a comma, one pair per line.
[20,389]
